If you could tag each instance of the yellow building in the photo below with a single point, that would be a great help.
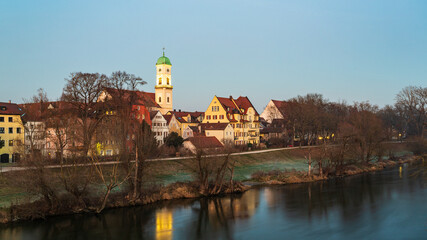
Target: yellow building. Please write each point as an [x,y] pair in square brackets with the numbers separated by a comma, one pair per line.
[240,113]
[11,132]
[186,119]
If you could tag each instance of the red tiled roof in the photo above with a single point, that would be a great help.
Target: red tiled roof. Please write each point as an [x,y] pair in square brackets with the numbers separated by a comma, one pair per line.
[281,106]
[245,103]
[153,114]
[168,118]
[143,98]
[236,106]
[37,111]
[201,142]
[182,114]
[10,109]
[213,126]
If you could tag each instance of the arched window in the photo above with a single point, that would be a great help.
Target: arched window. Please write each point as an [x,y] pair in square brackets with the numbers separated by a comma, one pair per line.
[168,99]
[160,99]
[168,81]
[160,81]
[168,70]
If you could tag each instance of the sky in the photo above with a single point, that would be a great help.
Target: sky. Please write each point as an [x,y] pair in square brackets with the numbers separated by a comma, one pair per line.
[270,49]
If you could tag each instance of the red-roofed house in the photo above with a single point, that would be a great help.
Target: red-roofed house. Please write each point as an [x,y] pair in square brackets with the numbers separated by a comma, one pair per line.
[274,110]
[240,113]
[203,143]
[11,132]
[224,132]
[186,119]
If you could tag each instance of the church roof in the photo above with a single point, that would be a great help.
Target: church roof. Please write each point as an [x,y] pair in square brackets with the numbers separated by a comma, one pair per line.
[163,60]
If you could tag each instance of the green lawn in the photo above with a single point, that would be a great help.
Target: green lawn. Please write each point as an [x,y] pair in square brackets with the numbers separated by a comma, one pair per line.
[166,172]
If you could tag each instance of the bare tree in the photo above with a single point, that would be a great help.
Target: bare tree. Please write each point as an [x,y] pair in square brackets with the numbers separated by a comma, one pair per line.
[110,176]
[412,101]
[82,91]
[366,130]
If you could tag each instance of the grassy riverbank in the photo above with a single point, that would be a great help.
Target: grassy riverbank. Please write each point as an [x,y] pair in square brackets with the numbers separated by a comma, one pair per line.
[172,179]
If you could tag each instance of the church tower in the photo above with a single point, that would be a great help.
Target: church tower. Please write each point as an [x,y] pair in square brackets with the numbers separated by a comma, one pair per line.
[164,84]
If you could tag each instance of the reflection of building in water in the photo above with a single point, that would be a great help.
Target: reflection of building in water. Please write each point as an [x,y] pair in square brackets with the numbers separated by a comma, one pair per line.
[269,196]
[164,224]
[232,207]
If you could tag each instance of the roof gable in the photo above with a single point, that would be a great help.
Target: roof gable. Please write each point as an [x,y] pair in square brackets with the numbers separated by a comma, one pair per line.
[201,142]
[10,109]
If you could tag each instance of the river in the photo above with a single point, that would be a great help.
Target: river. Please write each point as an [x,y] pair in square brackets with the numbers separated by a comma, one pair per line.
[390,204]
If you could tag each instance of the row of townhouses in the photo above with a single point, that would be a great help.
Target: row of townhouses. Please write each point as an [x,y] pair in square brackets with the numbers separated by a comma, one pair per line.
[226,120]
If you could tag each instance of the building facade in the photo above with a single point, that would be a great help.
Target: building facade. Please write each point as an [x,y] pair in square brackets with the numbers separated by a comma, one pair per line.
[240,113]
[159,126]
[163,88]
[11,132]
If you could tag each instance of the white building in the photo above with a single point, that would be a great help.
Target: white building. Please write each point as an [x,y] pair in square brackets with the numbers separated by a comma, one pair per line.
[274,110]
[159,126]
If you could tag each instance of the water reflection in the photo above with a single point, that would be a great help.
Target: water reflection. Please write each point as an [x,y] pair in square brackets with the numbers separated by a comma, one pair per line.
[385,205]
[164,224]
[216,217]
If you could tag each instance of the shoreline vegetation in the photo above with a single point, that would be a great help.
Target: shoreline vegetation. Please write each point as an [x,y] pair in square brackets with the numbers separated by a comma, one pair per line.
[208,180]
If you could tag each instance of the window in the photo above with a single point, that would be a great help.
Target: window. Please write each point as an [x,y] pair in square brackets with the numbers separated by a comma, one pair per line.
[167,79]
[10,130]
[160,69]
[215,108]
[10,119]
[18,130]
[1,119]
[160,81]
[215,116]
[160,99]
[167,70]
[1,129]
[221,116]
[168,97]
[208,117]
[109,152]
[10,143]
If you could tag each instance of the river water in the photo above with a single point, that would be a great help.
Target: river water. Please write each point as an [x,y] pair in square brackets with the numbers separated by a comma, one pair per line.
[391,204]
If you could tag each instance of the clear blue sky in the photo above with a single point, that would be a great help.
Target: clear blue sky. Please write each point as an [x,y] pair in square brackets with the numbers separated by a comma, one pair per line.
[270,49]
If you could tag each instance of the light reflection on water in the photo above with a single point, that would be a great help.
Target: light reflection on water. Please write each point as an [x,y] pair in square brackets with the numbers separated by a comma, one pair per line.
[383,205]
